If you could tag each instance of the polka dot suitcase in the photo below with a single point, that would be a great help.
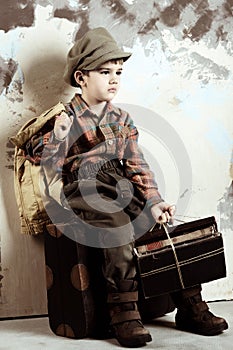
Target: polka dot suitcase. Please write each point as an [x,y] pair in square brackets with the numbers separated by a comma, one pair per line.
[76,289]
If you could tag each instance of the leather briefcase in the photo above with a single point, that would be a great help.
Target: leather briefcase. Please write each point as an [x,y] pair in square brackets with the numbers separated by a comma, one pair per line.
[173,258]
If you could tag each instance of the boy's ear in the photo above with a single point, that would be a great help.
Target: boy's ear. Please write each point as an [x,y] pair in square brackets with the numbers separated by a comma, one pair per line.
[78,76]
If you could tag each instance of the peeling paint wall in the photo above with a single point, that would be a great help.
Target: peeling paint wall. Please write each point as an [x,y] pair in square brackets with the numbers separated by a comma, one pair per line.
[181,70]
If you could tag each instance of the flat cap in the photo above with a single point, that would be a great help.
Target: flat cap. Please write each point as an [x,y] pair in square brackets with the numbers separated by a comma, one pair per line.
[96,47]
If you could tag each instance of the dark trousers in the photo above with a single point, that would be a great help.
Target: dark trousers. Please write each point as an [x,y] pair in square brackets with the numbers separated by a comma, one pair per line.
[112,215]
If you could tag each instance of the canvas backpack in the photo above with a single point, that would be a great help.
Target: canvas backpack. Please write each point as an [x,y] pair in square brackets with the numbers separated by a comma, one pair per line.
[32,213]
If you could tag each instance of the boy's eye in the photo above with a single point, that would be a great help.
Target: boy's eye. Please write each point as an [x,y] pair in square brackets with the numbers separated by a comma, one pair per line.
[106,72]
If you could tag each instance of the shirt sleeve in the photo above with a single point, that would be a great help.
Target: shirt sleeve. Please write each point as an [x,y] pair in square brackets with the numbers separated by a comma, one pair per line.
[43,147]
[137,169]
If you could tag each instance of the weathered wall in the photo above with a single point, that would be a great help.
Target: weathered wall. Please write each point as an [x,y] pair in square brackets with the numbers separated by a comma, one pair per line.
[180,71]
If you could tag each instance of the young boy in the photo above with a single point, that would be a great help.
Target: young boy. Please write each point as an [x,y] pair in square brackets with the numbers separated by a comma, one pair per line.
[98,148]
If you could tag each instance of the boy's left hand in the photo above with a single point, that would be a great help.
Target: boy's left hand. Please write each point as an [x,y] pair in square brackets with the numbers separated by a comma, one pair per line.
[62,126]
[163,212]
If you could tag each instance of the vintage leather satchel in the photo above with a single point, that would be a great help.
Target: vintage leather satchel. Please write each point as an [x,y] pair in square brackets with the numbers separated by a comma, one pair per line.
[171,258]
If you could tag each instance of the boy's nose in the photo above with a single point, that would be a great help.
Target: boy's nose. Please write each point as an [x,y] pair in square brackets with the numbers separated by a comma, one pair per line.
[113,80]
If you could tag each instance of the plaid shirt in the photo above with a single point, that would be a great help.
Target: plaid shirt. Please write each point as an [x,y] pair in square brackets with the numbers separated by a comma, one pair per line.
[92,139]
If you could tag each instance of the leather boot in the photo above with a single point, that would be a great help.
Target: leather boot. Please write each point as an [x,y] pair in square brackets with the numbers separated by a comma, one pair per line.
[125,318]
[193,313]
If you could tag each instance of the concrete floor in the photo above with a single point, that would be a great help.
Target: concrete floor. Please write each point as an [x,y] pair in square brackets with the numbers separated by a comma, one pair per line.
[35,334]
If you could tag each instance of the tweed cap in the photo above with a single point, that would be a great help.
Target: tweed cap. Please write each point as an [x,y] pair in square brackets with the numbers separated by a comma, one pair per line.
[96,47]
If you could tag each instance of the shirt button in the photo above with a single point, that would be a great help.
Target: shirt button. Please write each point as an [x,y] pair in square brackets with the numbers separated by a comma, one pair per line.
[110,142]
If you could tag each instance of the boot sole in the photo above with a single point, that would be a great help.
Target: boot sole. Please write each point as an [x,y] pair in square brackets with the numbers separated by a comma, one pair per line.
[137,342]
[214,331]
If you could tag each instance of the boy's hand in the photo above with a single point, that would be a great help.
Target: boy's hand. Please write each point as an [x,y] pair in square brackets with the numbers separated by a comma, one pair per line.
[62,126]
[163,212]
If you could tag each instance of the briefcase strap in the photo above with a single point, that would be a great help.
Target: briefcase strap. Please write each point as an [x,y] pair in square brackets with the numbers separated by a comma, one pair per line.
[175,257]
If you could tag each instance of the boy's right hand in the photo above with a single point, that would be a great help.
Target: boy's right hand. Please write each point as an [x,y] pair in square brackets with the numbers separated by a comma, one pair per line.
[62,126]
[163,212]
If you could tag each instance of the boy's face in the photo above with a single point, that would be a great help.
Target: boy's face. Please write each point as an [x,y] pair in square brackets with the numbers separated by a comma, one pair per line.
[102,84]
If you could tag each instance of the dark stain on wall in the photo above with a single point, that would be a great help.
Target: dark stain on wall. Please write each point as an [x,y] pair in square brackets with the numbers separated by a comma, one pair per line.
[225,208]
[10,155]
[81,15]
[120,10]
[200,6]
[7,72]
[16,14]
[66,13]
[18,86]
[201,27]
[229,7]
[1,277]
[117,7]
[21,13]
[206,20]
[149,26]
[183,3]
[221,34]
[171,15]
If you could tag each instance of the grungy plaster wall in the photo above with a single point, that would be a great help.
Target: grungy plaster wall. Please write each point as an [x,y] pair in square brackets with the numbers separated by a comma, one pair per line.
[177,85]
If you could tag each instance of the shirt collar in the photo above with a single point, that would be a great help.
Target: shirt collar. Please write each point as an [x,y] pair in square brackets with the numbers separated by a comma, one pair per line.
[80,107]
